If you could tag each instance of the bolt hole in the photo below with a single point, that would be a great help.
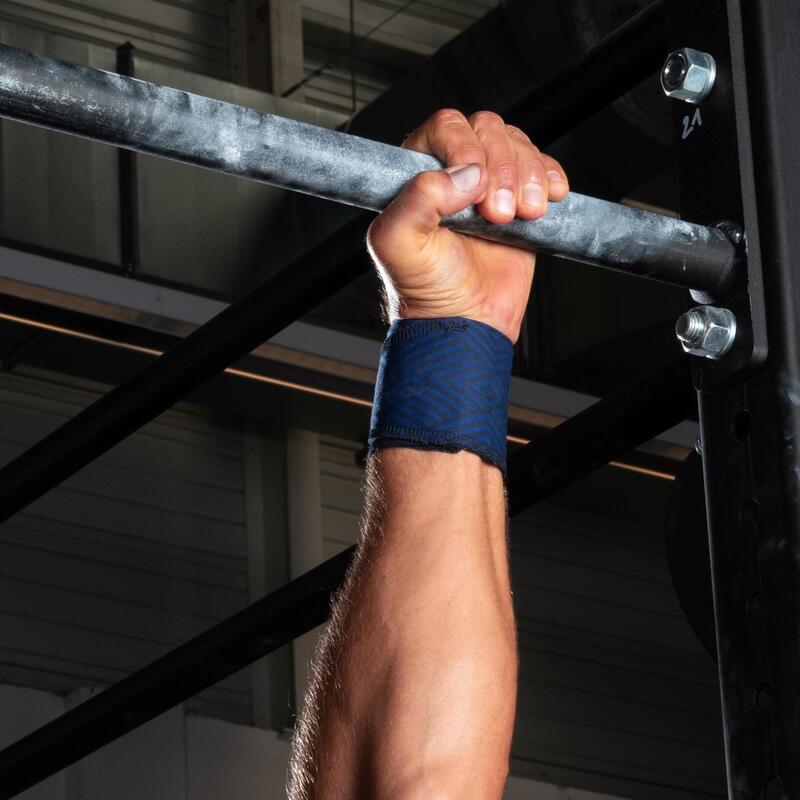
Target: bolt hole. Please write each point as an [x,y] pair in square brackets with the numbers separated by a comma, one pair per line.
[765,697]
[674,71]
[749,514]
[773,789]
[756,608]
[742,423]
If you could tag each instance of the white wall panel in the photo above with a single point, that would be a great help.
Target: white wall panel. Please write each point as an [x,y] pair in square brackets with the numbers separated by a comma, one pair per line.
[149,762]
[181,756]
[23,711]
[58,192]
[192,35]
[134,555]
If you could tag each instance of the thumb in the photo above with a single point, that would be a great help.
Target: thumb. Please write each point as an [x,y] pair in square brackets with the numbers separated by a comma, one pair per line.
[433,195]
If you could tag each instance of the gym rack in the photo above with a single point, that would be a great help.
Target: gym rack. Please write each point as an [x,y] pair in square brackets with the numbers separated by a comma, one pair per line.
[737,167]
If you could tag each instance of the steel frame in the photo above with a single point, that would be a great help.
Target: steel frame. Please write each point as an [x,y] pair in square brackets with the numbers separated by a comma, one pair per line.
[749,411]
[741,165]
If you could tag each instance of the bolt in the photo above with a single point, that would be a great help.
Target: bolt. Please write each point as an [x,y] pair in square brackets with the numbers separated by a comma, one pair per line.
[688,75]
[706,331]
[733,231]
[690,328]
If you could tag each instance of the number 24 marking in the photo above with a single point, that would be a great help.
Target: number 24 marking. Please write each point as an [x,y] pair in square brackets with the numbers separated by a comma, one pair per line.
[688,127]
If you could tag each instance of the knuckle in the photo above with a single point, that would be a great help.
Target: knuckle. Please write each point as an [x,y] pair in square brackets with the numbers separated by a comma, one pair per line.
[535,168]
[486,119]
[517,133]
[425,182]
[446,118]
[468,155]
[505,171]
[423,188]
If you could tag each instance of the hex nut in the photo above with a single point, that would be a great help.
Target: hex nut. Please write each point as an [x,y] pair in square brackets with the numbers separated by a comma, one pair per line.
[688,75]
[706,331]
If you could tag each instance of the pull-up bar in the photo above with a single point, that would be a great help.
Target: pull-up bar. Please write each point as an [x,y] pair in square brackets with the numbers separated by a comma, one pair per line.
[297,288]
[197,130]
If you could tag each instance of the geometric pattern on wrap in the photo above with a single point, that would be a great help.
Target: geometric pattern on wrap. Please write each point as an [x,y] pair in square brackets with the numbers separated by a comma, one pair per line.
[443,385]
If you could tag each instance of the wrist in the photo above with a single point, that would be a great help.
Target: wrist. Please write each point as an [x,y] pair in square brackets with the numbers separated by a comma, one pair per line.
[443,385]
[507,321]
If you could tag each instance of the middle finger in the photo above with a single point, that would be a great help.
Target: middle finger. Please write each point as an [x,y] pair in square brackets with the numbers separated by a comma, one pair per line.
[500,203]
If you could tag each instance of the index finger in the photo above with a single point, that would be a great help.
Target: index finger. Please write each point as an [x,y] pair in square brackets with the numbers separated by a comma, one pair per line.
[448,136]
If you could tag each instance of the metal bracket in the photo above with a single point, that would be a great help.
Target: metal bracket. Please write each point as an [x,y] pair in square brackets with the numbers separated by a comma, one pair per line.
[712,138]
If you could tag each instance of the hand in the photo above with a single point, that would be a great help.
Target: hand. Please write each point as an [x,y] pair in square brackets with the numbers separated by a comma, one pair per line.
[429,271]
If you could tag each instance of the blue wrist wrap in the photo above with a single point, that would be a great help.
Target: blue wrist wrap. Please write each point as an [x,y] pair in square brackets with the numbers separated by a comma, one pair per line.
[443,385]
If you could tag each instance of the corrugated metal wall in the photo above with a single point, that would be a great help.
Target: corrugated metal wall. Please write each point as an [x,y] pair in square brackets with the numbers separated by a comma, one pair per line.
[191,34]
[196,227]
[616,694]
[137,553]
[391,37]
[340,488]
[56,191]
[195,35]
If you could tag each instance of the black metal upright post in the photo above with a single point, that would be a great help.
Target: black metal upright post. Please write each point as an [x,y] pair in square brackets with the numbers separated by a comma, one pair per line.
[750,404]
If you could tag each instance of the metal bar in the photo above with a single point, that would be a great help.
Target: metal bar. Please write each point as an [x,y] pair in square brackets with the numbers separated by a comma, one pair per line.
[610,428]
[623,58]
[594,79]
[257,630]
[197,130]
[638,412]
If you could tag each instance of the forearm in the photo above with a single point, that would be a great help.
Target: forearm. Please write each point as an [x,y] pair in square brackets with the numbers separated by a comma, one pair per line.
[415,689]
[416,682]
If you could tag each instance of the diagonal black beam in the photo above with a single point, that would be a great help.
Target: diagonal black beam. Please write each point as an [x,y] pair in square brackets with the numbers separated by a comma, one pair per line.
[610,428]
[248,322]
[207,351]
[618,62]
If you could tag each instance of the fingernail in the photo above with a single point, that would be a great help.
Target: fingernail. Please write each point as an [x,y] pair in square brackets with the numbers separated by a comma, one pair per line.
[504,201]
[465,178]
[554,177]
[533,194]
